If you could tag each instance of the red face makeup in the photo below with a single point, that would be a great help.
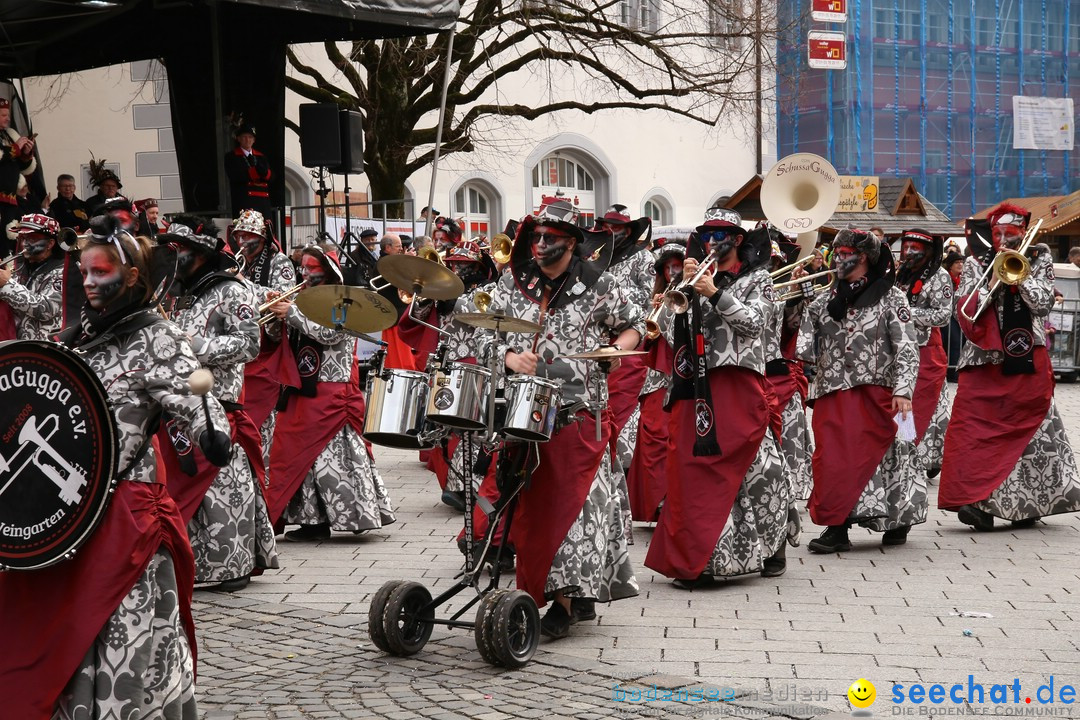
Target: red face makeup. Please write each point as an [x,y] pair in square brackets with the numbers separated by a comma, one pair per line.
[250,243]
[1008,236]
[312,270]
[103,277]
[671,269]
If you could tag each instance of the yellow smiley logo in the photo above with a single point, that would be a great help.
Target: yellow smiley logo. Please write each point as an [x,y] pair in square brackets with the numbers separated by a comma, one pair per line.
[862,693]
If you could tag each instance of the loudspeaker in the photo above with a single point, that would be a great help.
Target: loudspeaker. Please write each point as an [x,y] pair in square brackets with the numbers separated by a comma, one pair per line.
[332,137]
[352,143]
[320,135]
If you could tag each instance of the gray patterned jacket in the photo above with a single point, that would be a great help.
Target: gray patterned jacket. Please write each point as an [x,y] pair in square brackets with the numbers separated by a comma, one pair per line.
[594,317]
[1037,292]
[873,345]
[339,349]
[933,306]
[635,276]
[37,305]
[735,327]
[223,332]
[282,276]
[143,373]
[461,342]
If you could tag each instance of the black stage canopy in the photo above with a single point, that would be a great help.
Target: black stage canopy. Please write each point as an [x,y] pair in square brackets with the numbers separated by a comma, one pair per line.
[222,57]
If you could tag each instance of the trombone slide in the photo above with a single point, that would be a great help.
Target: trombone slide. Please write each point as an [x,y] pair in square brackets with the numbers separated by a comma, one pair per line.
[804,278]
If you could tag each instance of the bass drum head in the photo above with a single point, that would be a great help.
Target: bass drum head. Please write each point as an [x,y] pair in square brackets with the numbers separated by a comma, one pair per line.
[58,454]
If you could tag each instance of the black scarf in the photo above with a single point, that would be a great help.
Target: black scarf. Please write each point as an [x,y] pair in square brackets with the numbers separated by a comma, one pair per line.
[1017,338]
[94,323]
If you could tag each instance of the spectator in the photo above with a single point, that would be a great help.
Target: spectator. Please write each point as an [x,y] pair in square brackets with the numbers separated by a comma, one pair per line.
[390,245]
[16,162]
[148,212]
[67,209]
[106,182]
[879,233]
[248,171]
[1074,256]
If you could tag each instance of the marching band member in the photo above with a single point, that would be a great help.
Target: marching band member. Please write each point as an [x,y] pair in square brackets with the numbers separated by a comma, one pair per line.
[1006,451]
[646,477]
[727,498]
[632,267]
[35,291]
[109,633]
[322,475]
[867,364]
[224,508]
[268,270]
[930,294]
[567,529]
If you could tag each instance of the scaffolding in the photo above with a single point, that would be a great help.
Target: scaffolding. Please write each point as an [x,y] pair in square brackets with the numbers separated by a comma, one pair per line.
[927,94]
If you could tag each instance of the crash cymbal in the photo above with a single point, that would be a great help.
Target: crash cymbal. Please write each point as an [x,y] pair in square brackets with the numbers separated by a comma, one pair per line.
[605,353]
[497,321]
[423,277]
[344,307]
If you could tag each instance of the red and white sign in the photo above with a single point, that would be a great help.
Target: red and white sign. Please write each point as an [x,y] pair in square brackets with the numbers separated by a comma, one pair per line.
[828,10]
[827,50]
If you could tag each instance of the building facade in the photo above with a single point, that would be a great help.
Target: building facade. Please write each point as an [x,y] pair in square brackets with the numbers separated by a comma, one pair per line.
[927,94]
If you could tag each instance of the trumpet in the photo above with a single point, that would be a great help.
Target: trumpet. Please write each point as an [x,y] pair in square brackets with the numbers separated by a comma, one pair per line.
[69,239]
[9,259]
[430,253]
[804,278]
[1010,267]
[501,245]
[794,294]
[788,268]
[652,320]
[265,316]
[676,298]
[482,301]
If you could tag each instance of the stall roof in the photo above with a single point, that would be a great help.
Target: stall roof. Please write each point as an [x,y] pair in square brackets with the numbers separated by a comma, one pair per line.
[46,37]
[900,207]
[1056,211]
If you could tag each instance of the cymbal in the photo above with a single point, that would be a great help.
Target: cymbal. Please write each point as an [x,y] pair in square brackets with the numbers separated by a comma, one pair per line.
[497,321]
[605,353]
[345,307]
[409,272]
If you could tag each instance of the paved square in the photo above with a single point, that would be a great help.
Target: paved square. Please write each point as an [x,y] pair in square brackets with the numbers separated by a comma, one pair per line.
[294,643]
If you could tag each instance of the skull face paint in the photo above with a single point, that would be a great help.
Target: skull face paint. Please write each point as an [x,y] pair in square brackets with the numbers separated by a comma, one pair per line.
[35,246]
[846,259]
[912,253]
[250,243]
[104,278]
[1006,236]
[186,260]
[549,246]
[312,270]
[471,273]
[672,268]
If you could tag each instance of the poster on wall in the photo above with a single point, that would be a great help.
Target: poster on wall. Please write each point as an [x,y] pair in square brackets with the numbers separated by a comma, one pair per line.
[858,193]
[1042,123]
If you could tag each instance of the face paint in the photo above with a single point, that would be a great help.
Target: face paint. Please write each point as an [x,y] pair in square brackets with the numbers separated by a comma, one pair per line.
[250,244]
[185,260]
[1006,236]
[312,269]
[548,247]
[104,279]
[846,261]
[671,269]
[470,273]
[35,246]
[912,253]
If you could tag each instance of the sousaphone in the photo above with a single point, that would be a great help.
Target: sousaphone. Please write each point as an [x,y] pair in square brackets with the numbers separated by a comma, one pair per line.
[799,194]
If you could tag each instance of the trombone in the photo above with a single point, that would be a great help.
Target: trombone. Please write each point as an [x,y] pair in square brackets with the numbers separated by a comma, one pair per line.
[265,316]
[788,268]
[501,245]
[804,278]
[1010,267]
[482,301]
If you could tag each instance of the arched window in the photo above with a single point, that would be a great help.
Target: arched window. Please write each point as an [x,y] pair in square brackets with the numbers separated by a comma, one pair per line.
[555,173]
[471,202]
[658,209]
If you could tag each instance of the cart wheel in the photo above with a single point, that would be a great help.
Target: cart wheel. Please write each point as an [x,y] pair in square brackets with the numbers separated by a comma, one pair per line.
[1067,377]
[483,625]
[406,630]
[516,630]
[375,614]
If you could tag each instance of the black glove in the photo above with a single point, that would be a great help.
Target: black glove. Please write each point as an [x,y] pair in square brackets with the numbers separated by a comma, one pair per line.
[216,446]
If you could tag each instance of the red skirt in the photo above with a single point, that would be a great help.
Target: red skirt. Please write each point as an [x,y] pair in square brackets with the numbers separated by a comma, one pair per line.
[933,364]
[554,499]
[303,430]
[701,490]
[49,618]
[646,479]
[624,385]
[263,378]
[853,429]
[993,419]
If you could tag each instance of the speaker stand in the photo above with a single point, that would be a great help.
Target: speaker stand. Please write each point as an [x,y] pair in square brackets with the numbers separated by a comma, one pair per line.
[322,192]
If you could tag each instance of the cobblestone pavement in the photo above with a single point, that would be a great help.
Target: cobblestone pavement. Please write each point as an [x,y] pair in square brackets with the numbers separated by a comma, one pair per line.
[294,643]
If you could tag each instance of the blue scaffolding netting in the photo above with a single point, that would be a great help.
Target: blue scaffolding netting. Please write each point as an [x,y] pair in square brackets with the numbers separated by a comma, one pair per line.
[927,94]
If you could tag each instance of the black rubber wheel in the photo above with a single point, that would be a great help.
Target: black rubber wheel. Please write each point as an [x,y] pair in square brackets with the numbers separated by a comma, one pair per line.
[1067,377]
[375,614]
[516,630]
[483,625]
[406,629]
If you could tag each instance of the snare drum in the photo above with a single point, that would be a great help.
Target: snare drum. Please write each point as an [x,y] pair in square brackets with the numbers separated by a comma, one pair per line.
[531,406]
[395,409]
[458,397]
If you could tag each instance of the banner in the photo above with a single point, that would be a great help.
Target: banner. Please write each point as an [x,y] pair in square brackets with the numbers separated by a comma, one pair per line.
[335,227]
[858,193]
[828,11]
[1042,123]
[826,50]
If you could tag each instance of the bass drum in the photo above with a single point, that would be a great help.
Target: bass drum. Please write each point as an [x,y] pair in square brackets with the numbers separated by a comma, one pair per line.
[395,409]
[58,454]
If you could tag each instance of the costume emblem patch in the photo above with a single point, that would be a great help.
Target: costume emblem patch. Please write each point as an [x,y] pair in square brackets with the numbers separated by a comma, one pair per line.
[245,312]
[179,438]
[444,398]
[703,418]
[683,367]
[1018,342]
[307,361]
[904,314]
